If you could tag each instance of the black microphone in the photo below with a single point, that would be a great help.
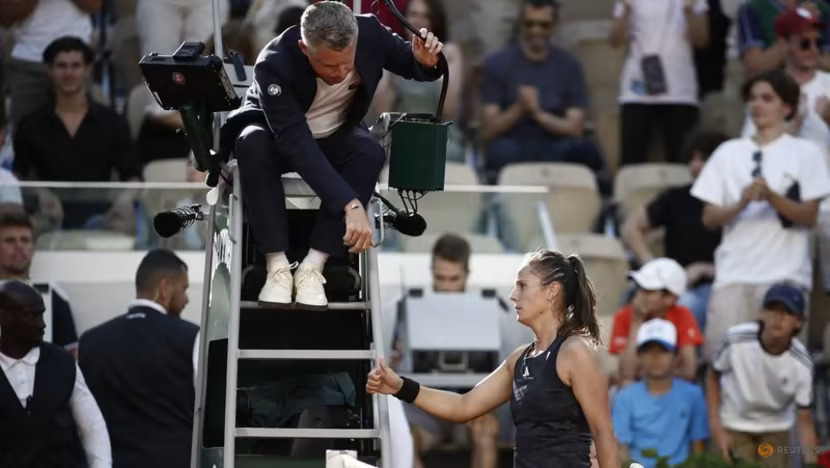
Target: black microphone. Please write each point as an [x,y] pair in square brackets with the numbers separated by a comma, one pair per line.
[168,223]
[407,224]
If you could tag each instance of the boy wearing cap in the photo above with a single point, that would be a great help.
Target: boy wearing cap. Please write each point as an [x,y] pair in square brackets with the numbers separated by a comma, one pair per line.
[758,377]
[660,282]
[660,412]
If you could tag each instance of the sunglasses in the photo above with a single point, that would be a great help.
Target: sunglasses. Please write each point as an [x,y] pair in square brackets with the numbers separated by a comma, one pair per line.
[538,24]
[757,157]
[809,44]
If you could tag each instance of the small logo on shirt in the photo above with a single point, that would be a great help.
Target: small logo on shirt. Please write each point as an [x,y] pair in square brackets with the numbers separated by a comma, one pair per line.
[274,90]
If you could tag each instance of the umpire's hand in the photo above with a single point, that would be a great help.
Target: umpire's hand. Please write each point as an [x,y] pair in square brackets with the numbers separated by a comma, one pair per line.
[358,229]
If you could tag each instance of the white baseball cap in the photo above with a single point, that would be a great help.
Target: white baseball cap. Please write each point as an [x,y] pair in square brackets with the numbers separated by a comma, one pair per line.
[659,274]
[659,331]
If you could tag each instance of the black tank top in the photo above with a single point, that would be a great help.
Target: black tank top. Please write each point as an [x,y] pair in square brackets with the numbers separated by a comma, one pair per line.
[551,429]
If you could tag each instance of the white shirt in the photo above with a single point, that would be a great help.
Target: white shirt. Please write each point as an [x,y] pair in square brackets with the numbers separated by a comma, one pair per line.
[756,248]
[158,307]
[92,428]
[659,27]
[50,20]
[813,127]
[329,109]
[759,391]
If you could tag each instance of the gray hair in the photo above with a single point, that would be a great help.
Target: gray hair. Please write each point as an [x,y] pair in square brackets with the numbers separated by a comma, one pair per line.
[328,23]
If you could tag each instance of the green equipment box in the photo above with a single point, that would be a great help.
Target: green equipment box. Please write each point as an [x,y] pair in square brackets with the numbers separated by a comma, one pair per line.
[418,155]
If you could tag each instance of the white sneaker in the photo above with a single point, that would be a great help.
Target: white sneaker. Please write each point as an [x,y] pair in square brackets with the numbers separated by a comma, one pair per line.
[308,282]
[278,288]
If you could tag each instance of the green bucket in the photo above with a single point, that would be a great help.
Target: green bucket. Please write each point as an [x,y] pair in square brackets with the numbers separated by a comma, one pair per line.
[418,155]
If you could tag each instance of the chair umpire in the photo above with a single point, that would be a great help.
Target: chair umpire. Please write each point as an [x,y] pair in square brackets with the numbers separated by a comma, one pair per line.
[141,368]
[303,113]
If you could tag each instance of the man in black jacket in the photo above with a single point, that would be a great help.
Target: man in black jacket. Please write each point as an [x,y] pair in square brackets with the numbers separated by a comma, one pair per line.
[312,88]
[141,365]
[49,417]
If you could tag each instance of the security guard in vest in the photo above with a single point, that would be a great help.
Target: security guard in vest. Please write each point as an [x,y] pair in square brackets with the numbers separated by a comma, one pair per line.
[48,417]
[141,366]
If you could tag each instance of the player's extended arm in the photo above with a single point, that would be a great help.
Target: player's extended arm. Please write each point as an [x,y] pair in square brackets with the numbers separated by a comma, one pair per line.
[488,395]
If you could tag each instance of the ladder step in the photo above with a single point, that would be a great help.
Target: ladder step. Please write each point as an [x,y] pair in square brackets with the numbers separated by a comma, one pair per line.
[317,354]
[359,305]
[269,433]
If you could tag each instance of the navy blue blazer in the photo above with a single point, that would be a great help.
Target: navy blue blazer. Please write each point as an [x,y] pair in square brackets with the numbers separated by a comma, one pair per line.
[284,88]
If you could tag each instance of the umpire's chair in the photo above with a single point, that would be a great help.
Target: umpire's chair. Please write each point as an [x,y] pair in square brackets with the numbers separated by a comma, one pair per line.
[281,386]
[274,384]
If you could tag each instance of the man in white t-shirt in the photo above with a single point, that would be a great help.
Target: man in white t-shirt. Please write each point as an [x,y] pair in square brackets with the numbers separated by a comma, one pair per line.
[35,24]
[660,36]
[801,31]
[764,192]
[760,374]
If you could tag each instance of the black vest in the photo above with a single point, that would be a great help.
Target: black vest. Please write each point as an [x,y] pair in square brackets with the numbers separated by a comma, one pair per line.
[139,367]
[43,434]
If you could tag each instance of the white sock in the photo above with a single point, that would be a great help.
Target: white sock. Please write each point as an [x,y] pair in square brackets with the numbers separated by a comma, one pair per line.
[276,261]
[316,258]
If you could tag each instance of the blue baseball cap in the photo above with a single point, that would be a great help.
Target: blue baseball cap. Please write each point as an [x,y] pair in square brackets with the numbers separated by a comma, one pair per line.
[789,296]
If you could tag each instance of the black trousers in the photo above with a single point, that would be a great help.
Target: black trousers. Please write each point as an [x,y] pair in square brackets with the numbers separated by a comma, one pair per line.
[639,121]
[351,151]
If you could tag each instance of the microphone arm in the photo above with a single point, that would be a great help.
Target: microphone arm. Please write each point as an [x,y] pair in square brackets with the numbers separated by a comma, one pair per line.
[198,215]
[387,203]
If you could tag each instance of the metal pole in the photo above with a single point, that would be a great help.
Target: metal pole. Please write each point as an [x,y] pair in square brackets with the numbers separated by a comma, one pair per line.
[217,28]
[236,214]
[201,372]
[356,6]
[382,415]
[219,44]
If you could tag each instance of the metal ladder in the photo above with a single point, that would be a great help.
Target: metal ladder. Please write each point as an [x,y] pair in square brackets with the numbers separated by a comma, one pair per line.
[295,188]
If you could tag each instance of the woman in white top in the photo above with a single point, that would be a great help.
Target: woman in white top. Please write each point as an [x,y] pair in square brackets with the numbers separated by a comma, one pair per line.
[659,84]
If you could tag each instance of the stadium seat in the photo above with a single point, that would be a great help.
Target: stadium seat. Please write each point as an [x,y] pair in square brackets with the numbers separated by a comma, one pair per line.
[637,184]
[450,211]
[573,200]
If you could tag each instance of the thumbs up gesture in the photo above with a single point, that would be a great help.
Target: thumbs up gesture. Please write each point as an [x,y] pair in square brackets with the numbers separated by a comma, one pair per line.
[383,380]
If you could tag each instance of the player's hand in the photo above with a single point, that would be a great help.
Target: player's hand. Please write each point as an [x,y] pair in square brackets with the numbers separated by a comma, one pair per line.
[426,48]
[358,230]
[383,381]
